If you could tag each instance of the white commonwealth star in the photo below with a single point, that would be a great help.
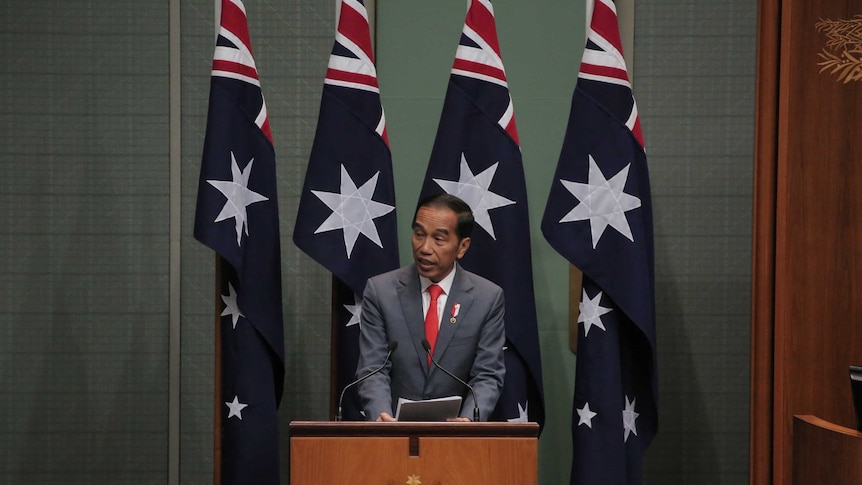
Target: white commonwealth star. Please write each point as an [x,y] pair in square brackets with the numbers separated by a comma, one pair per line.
[230,305]
[236,408]
[603,202]
[629,418]
[523,415]
[474,190]
[355,311]
[238,195]
[353,210]
[591,312]
[585,415]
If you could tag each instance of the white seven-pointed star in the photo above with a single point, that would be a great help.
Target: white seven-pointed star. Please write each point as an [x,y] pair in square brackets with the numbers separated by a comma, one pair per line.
[591,312]
[474,190]
[585,415]
[602,202]
[353,210]
[523,415]
[629,417]
[238,195]
[230,306]
[355,311]
[235,407]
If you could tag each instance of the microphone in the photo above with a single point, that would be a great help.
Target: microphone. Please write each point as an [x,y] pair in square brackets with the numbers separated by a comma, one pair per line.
[391,348]
[427,347]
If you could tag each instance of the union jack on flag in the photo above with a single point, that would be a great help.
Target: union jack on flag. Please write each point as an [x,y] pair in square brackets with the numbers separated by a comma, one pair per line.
[237,216]
[599,217]
[478,57]
[346,216]
[476,156]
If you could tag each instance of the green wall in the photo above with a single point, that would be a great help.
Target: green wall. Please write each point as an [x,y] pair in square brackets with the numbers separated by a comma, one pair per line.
[541,43]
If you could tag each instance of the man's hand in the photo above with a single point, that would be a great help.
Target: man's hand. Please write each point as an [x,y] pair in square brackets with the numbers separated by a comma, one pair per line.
[385,417]
[460,420]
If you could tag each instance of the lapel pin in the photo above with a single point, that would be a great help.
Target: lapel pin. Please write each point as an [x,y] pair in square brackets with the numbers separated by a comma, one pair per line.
[455,308]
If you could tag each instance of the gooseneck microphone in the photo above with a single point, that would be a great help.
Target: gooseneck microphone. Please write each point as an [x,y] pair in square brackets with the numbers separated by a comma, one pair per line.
[391,348]
[427,347]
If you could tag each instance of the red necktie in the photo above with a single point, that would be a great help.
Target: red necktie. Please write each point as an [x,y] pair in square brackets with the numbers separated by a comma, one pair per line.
[432,321]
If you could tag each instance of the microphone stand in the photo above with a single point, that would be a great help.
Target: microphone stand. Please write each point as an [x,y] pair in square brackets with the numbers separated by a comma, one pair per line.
[427,347]
[392,346]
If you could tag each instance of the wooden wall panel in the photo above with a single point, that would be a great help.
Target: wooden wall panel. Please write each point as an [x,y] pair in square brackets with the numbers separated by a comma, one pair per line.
[763,245]
[817,327]
[824,452]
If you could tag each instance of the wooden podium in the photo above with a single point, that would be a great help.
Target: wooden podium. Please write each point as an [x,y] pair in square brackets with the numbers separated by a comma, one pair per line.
[323,452]
[824,452]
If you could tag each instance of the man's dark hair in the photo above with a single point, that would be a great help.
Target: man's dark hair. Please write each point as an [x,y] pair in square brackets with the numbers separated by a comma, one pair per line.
[463,212]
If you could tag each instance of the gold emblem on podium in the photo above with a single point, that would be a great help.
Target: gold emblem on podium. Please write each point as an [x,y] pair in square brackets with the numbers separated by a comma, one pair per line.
[842,55]
[413,480]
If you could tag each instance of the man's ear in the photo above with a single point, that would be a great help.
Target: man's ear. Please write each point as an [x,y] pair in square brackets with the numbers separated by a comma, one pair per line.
[463,246]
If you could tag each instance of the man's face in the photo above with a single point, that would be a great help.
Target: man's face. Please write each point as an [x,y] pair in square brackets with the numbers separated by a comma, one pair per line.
[435,242]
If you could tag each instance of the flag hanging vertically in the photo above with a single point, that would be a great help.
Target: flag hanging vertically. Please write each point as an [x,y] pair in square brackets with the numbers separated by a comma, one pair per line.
[476,156]
[346,217]
[599,217]
[237,216]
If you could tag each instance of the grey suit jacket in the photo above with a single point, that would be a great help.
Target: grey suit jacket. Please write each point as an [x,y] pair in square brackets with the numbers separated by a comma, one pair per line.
[471,348]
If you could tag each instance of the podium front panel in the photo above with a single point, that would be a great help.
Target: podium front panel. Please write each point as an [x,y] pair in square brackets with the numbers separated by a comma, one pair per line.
[428,456]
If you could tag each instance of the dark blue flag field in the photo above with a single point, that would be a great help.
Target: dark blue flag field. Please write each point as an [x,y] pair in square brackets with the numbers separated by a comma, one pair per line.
[476,156]
[346,216]
[599,217]
[237,216]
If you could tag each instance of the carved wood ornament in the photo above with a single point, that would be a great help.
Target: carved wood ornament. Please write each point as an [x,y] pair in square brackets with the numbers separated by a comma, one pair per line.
[842,55]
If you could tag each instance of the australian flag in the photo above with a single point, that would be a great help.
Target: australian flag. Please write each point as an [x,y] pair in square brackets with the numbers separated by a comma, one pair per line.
[346,217]
[237,216]
[476,156]
[599,217]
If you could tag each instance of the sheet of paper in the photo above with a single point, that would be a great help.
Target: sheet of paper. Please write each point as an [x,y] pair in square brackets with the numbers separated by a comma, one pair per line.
[439,409]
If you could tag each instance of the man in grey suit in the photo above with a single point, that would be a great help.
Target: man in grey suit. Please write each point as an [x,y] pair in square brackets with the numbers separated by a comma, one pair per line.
[469,325]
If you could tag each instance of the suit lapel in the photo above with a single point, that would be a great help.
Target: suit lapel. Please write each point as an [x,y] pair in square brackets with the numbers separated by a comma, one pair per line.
[460,295]
[410,297]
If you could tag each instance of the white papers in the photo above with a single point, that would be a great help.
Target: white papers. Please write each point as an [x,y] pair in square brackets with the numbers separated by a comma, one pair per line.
[439,409]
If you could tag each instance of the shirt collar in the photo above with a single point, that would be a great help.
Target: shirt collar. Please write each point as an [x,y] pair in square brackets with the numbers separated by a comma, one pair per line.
[445,283]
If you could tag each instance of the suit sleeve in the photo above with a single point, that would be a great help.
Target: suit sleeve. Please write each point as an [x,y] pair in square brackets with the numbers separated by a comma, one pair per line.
[374,393]
[488,370]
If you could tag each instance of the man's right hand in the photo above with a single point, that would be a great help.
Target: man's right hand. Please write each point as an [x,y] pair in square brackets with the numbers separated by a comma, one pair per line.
[385,417]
